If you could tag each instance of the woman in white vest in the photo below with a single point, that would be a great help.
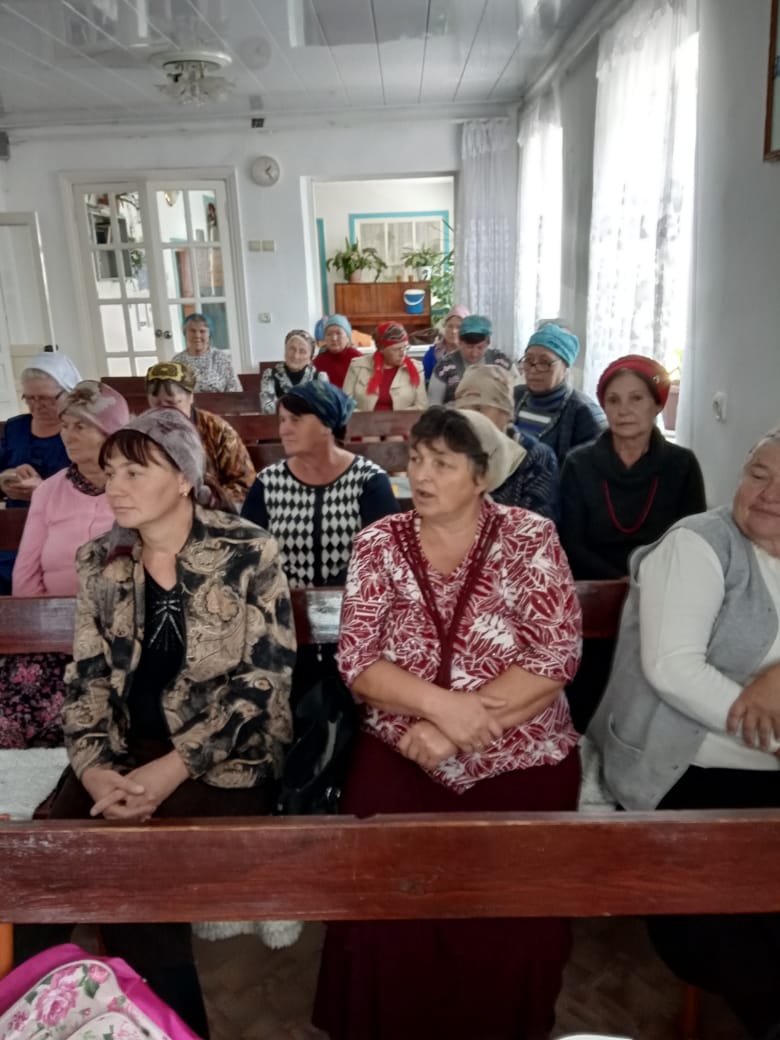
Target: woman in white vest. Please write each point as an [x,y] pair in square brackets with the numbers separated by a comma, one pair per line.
[691,715]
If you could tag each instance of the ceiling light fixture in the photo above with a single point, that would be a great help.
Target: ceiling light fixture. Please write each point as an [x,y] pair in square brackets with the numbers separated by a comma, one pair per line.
[190,79]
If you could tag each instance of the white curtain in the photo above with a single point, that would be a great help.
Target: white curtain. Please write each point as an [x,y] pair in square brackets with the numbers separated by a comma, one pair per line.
[485,226]
[539,208]
[643,183]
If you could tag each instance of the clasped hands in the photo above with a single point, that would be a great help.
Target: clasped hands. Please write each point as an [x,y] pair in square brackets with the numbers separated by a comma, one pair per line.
[136,795]
[463,722]
[756,712]
[19,483]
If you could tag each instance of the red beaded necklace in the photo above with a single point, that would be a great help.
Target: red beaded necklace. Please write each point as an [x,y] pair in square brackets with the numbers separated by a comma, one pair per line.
[645,511]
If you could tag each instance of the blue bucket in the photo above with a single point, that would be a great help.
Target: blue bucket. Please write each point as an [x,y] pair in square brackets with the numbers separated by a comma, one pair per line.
[414,300]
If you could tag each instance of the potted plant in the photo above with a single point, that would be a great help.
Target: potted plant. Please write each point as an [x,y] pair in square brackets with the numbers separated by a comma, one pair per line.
[352,260]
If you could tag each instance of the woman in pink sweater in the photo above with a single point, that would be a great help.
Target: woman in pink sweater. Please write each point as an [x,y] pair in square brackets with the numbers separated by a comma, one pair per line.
[66,511]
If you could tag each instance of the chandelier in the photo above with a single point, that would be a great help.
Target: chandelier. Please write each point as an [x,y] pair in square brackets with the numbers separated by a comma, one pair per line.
[190,79]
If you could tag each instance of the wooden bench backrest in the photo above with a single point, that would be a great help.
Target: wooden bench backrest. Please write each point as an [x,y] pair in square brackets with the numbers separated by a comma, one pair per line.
[42,623]
[392,456]
[259,427]
[11,526]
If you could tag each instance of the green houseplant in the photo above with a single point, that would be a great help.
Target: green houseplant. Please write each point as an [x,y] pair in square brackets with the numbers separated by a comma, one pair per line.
[436,267]
[352,259]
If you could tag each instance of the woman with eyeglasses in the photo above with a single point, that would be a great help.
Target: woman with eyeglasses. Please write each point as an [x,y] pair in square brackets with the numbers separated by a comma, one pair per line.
[547,407]
[31,448]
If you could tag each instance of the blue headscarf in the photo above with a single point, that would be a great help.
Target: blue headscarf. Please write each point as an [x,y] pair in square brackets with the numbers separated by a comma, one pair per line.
[341,321]
[559,341]
[329,403]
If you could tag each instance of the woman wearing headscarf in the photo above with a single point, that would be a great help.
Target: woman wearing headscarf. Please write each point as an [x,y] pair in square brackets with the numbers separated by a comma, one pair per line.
[548,408]
[67,510]
[531,470]
[321,495]
[473,349]
[31,449]
[212,367]
[335,359]
[177,700]
[297,368]
[171,384]
[389,380]
[459,627]
[624,490]
[448,341]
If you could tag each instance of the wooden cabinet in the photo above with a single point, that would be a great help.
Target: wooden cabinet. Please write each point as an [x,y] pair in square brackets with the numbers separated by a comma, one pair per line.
[366,304]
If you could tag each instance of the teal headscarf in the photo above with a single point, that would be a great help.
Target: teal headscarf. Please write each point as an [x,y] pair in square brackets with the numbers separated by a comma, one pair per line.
[330,404]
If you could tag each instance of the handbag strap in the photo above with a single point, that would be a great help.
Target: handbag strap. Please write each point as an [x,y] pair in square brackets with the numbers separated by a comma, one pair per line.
[408,543]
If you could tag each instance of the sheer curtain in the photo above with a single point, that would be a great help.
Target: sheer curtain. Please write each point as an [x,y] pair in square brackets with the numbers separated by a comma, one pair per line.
[643,183]
[539,206]
[485,225]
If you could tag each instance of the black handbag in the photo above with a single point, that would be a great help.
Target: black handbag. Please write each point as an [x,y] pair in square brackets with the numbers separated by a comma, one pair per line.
[326,721]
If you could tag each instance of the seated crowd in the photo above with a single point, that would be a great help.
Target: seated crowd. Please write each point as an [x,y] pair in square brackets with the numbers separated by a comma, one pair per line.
[460,638]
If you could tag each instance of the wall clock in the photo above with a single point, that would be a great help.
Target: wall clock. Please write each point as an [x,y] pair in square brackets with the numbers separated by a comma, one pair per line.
[265,171]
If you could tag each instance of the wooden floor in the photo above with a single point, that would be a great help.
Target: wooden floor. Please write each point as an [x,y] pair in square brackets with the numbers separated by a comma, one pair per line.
[614,984]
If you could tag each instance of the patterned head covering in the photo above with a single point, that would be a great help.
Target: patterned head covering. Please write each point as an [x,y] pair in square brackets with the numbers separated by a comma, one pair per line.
[96,403]
[57,366]
[649,371]
[301,334]
[179,438]
[458,311]
[172,372]
[559,341]
[390,334]
[330,404]
[485,386]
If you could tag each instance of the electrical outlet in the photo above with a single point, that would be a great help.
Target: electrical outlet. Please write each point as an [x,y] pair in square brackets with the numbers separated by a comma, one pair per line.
[264,317]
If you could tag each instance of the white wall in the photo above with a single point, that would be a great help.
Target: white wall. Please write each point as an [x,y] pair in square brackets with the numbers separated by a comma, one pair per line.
[736,303]
[335,200]
[284,283]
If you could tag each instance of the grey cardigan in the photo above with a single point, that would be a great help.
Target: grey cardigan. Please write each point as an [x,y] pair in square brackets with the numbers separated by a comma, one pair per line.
[645,744]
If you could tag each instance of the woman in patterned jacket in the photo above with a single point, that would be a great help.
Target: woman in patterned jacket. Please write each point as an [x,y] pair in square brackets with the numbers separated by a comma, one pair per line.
[459,628]
[177,700]
[171,384]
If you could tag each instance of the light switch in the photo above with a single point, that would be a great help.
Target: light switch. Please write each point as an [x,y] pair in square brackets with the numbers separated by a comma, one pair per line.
[264,317]
[255,246]
[269,245]
[719,405]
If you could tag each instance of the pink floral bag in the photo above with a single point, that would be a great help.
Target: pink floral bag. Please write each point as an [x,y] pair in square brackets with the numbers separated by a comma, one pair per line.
[66,994]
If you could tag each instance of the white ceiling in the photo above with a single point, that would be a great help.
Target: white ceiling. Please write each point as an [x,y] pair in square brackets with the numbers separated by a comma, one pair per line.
[87,62]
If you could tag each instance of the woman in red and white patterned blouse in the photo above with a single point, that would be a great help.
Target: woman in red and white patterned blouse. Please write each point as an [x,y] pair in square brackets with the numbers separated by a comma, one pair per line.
[459,629]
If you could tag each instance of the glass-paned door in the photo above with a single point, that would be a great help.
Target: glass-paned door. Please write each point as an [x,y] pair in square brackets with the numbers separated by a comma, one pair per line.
[155,254]
[196,262]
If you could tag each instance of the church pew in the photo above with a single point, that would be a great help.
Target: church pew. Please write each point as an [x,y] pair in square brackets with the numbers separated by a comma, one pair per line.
[257,427]
[392,456]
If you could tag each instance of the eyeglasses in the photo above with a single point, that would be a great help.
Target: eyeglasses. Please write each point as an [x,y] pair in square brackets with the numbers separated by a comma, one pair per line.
[41,398]
[542,364]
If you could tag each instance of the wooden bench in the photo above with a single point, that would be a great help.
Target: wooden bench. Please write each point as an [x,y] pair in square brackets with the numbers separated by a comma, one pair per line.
[258,427]
[392,456]
[135,386]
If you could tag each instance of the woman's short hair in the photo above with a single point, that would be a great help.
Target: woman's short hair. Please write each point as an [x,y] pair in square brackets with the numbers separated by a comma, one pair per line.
[438,423]
[199,319]
[772,436]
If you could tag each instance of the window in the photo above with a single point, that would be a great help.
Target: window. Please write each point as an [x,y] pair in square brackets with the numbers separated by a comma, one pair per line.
[392,234]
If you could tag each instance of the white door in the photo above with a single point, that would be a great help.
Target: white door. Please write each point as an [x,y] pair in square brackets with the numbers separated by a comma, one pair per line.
[155,252]
[25,318]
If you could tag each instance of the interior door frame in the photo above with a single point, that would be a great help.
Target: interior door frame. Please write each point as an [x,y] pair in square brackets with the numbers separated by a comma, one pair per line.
[71,179]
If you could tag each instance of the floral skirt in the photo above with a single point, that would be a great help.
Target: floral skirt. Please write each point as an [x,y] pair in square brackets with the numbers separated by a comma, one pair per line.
[32,690]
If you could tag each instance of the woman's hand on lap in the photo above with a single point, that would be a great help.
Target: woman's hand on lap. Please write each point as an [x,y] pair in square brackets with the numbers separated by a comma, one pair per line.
[426,745]
[756,712]
[109,791]
[465,719]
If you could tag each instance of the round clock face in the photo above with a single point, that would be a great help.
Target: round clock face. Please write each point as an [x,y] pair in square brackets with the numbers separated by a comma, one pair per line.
[265,171]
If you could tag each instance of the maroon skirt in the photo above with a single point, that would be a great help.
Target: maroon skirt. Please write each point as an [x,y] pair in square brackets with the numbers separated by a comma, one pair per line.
[493,979]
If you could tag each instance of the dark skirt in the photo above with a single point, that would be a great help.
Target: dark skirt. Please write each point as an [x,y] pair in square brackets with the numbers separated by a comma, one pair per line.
[735,955]
[160,953]
[493,979]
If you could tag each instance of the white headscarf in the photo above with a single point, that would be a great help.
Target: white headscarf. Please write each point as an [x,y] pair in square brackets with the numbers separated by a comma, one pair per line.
[504,455]
[56,365]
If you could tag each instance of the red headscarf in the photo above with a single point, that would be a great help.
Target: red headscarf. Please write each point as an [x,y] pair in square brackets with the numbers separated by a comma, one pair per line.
[650,371]
[389,334]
